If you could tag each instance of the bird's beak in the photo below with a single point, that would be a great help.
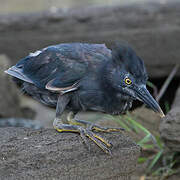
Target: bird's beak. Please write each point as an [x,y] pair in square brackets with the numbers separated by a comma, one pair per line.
[144,95]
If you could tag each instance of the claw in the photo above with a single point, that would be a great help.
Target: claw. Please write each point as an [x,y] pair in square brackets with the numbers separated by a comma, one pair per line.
[84,139]
[104,129]
[86,131]
[99,141]
[102,140]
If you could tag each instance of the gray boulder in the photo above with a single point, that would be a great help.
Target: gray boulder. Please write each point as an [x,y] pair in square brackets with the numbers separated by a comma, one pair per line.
[47,154]
[170,126]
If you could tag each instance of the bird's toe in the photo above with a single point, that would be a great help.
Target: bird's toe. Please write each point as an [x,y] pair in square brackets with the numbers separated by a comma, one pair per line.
[98,140]
[106,129]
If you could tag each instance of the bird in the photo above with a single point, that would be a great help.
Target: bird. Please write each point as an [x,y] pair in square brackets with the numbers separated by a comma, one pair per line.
[84,76]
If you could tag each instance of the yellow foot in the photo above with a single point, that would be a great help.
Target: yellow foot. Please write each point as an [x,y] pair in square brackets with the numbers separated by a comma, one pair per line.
[85,133]
[94,127]
[98,140]
[105,129]
[85,129]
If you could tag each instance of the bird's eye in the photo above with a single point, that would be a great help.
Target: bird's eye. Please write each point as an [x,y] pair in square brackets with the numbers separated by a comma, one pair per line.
[128,81]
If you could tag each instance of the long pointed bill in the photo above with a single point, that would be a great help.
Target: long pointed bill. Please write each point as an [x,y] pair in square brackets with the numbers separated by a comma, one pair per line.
[144,95]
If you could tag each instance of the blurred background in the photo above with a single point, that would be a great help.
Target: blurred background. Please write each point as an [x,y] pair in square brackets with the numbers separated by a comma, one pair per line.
[152,28]
[28,6]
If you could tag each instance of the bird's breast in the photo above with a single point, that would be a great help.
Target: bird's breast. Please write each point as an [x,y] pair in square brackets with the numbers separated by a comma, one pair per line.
[97,100]
[118,106]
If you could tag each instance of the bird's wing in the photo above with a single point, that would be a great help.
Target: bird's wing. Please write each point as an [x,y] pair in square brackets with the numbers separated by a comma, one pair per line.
[60,67]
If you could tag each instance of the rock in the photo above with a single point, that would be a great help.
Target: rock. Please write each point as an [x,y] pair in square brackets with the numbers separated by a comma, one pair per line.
[9,95]
[47,154]
[170,126]
[152,28]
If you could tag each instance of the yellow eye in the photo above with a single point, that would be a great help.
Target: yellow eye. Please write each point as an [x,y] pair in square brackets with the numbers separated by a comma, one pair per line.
[128,81]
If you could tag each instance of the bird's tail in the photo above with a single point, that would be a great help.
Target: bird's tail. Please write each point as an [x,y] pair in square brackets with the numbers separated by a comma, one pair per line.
[18,73]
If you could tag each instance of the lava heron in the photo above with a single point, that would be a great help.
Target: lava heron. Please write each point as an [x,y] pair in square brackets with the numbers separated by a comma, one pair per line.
[80,77]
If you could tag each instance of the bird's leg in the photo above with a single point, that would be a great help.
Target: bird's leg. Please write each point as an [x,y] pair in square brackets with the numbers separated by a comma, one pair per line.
[62,126]
[91,126]
[58,123]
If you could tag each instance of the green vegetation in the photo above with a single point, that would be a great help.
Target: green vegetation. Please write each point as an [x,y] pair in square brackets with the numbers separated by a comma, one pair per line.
[160,164]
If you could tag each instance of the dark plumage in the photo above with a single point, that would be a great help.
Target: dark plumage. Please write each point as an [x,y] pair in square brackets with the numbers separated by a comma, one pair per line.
[85,77]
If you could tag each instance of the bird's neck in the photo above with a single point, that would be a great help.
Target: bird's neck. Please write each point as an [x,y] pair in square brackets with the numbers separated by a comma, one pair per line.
[107,86]
[116,102]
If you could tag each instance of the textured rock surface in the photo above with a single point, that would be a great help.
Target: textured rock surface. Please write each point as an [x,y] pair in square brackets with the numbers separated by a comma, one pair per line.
[47,154]
[170,126]
[153,28]
[9,95]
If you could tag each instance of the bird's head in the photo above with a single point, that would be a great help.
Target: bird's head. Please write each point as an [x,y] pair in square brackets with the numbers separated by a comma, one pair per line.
[127,75]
